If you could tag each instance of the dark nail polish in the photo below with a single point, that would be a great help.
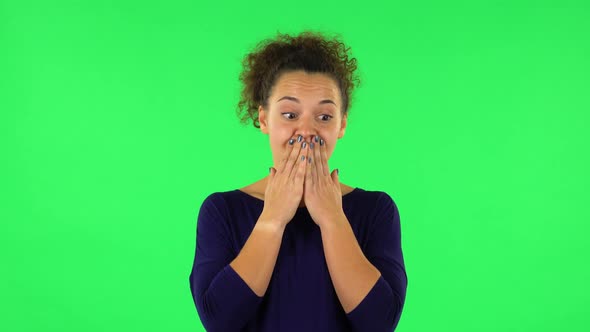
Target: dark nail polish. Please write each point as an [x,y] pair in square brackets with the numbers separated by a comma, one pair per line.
[303,145]
[321,142]
[291,141]
[310,159]
[299,138]
[311,145]
[316,139]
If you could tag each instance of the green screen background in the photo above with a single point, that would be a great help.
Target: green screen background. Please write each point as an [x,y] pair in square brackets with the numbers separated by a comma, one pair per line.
[117,120]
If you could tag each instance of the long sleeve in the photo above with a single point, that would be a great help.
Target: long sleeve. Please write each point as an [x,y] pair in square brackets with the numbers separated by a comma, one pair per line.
[381,309]
[222,298]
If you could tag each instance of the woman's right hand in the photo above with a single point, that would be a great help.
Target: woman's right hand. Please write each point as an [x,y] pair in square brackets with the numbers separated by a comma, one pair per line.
[284,188]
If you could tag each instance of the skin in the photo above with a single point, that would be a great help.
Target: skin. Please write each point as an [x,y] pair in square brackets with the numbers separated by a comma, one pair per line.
[322,188]
[285,119]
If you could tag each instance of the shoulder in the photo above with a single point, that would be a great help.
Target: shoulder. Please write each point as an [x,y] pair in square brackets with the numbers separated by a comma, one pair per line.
[370,213]
[234,206]
[213,206]
[372,199]
[372,207]
[366,207]
[218,208]
[223,199]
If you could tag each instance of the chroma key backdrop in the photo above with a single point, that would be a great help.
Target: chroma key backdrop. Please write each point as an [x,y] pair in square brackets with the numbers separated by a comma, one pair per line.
[117,119]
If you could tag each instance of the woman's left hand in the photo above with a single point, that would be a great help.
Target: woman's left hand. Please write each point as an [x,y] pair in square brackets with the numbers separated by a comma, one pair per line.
[322,193]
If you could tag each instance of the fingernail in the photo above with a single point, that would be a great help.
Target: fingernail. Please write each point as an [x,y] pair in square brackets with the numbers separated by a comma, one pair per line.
[303,145]
[291,141]
[299,138]
[311,145]
[316,139]
[321,142]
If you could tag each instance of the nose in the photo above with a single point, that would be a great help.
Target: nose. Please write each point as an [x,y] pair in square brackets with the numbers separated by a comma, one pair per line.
[307,130]
[307,137]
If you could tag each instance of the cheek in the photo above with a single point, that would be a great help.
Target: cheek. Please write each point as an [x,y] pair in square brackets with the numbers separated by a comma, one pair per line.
[330,148]
[279,145]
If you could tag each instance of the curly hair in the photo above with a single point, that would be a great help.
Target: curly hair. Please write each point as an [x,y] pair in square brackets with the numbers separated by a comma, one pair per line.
[309,51]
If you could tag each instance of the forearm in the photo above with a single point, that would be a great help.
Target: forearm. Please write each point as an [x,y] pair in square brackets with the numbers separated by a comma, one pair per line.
[256,261]
[352,274]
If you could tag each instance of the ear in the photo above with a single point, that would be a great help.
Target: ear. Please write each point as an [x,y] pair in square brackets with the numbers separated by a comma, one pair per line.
[262,119]
[343,125]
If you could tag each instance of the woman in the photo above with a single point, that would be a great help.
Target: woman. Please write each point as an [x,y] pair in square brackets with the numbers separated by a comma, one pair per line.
[298,250]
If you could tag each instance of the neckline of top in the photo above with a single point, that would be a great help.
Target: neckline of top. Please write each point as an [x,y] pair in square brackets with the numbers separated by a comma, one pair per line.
[355,189]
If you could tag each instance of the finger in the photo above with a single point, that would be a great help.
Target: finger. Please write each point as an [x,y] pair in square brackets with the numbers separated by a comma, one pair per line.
[293,152]
[309,176]
[289,147]
[317,159]
[324,169]
[302,160]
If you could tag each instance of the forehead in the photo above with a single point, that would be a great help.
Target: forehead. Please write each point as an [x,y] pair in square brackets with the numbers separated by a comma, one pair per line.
[299,83]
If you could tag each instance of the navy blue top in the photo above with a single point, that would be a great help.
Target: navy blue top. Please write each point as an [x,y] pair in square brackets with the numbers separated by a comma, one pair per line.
[300,295]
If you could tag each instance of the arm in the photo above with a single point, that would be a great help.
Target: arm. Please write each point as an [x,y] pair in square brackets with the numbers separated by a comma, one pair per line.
[372,296]
[224,299]
[343,256]
[257,259]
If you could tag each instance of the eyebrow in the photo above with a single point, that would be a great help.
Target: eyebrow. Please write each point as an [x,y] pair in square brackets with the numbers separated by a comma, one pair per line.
[325,101]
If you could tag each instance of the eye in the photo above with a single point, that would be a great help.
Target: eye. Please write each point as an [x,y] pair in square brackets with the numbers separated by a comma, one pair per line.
[287,113]
[323,115]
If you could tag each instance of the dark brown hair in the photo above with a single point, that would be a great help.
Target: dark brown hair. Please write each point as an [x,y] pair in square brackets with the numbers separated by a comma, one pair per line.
[309,51]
